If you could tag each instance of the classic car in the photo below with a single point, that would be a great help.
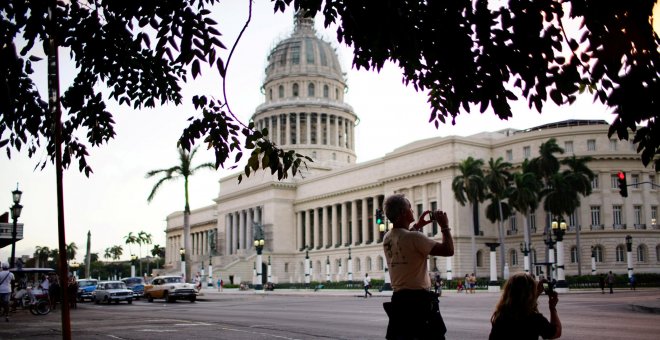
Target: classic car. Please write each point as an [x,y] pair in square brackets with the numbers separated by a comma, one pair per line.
[86,289]
[112,291]
[136,284]
[170,288]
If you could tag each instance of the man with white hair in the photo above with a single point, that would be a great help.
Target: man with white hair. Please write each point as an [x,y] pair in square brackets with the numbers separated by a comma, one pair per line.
[6,277]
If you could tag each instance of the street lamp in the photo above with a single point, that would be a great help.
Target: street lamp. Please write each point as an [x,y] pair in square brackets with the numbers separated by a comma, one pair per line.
[74,268]
[182,252]
[133,259]
[307,280]
[593,260]
[550,244]
[259,245]
[524,248]
[350,266]
[15,214]
[559,229]
[629,248]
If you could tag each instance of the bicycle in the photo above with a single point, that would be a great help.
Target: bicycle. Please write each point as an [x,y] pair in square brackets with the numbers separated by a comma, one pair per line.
[38,304]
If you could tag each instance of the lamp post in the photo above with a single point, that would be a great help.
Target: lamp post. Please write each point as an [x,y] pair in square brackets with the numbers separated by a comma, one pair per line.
[559,229]
[182,252]
[307,266]
[74,268]
[15,214]
[524,248]
[493,285]
[327,269]
[259,245]
[350,266]
[629,248]
[550,243]
[270,271]
[133,259]
[593,260]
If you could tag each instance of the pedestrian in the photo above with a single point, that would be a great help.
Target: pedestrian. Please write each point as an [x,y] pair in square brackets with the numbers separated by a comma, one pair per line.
[219,284]
[466,283]
[601,283]
[72,290]
[517,316]
[406,252]
[367,285]
[6,277]
[610,282]
[473,283]
[459,285]
[53,290]
[632,282]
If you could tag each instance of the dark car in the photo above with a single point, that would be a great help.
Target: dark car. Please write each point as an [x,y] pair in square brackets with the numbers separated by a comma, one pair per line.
[86,288]
[136,284]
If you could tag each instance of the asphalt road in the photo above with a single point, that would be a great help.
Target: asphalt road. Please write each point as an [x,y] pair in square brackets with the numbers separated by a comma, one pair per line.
[316,316]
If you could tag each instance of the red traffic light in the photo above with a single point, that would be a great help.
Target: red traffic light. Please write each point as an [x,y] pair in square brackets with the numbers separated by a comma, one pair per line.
[621,175]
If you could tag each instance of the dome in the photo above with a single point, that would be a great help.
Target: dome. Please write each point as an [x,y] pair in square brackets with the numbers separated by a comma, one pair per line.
[303,53]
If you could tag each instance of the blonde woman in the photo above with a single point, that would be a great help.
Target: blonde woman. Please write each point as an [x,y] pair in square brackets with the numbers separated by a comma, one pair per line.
[517,316]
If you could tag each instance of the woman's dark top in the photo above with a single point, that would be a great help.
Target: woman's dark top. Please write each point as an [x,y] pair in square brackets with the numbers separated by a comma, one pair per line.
[531,327]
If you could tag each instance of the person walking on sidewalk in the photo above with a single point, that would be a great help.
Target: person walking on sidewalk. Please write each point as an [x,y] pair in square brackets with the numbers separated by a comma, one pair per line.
[601,283]
[406,252]
[367,285]
[610,281]
[6,277]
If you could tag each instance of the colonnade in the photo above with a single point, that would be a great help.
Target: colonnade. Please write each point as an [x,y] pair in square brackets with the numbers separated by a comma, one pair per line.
[239,229]
[309,128]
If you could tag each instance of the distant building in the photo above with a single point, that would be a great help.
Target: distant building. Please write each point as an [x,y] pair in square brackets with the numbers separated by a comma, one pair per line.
[331,208]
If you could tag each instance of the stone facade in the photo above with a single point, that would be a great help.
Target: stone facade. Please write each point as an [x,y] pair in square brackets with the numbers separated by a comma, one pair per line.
[328,213]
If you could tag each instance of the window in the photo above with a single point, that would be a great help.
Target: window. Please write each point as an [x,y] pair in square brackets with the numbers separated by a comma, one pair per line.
[324,60]
[512,222]
[380,263]
[337,94]
[657,253]
[614,181]
[568,146]
[270,94]
[574,254]
[634,178]
[641,253]
[613,144]
[637,212]
[326,91]
[509,155]
[594,182]
[480,258]
[595,215]
[652,180]
[358,265]
[280,89]
[616,214]
[598,253]
[573,219]
[620,253]
[369,264]
[654,214]
[514,257]
[295,54]
[309,51]
[527,152]
[286,267]
[591,144]
[531,222]
[310,90]
[295,89]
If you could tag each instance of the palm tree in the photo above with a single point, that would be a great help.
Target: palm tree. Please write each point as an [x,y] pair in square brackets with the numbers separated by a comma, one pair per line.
[497,180]
[469,187]
[41,254]
[131,239]
[55,255]
[117,252]
[143,238]
[108,253]
[71,251]
[157,251]
[186,170]
[524,198]
[547,164]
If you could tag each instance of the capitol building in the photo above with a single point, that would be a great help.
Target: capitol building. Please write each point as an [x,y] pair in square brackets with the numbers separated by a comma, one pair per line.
[328,213]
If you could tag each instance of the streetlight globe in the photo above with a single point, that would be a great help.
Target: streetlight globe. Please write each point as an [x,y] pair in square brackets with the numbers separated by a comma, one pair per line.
[16,210]
[562,225]
[554,224]
[381,227]
[256,243]
[261,243]
[16,195]
[182,251]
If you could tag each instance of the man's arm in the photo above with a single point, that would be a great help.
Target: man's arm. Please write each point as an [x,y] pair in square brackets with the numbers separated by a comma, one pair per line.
[446,247]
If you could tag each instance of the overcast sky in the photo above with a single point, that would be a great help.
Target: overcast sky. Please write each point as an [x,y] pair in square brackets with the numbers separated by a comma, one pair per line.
[112,202]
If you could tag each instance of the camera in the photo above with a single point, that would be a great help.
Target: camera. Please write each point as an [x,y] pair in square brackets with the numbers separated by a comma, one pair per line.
[548,287]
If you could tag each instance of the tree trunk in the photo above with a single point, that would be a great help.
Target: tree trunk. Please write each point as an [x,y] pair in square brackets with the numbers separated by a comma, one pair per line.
[187,245]
[501,232]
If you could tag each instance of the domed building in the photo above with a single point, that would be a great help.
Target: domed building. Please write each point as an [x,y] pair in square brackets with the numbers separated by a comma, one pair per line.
[321,226]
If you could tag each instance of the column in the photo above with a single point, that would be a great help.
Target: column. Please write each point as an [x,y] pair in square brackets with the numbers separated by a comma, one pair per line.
[354,222]
[298,139]
[438,199]
[278,129]
[337,131]
[319,138]
[344,224]
[308,121]
[243,228]
[335,227]
[235,226]
[309,241]
[317,225]
[249,230]
[365,221]
[493,285]
[300,243]
[324,226]
[425,207]
[287,128]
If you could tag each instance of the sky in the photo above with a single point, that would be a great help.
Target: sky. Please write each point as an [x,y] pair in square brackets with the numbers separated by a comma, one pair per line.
[113,201]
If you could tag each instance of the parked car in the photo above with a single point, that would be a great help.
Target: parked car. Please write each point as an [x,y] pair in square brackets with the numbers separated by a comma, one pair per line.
[86,289]
[136,284]
[170,288]
[112,291]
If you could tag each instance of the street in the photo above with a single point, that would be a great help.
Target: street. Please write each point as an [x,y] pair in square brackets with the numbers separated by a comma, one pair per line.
[325,316]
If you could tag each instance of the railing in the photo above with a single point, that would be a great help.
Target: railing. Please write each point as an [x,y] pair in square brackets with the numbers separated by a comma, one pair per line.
[512,232]
[640,226]
[573,228]
[655,226]
[618,226]
[6,228]
[597,227]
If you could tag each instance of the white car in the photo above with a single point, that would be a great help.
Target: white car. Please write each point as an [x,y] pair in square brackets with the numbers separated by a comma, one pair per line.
[170,288]
[112,291]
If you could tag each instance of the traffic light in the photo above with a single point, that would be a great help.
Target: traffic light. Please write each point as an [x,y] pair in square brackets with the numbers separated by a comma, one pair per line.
[379,216]
[623,185]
